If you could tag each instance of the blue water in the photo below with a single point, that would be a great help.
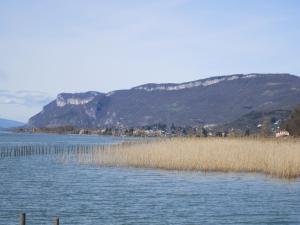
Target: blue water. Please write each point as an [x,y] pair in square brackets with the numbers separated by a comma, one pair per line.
[28,138]
[44,186]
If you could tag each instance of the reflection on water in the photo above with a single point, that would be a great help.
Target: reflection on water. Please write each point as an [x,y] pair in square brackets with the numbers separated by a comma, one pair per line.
[44,187]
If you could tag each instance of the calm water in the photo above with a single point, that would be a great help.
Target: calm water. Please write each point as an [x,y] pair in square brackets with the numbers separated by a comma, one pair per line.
[43,187]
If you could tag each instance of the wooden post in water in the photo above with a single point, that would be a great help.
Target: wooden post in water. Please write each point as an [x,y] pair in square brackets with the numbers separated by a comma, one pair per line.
[56,221]
[22,219]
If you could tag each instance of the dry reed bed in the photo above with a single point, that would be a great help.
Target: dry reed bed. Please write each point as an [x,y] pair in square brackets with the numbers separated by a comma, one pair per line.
[280,158]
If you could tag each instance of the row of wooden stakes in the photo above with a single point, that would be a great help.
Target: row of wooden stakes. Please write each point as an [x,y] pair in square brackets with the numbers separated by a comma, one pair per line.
[23,219]
[27,150]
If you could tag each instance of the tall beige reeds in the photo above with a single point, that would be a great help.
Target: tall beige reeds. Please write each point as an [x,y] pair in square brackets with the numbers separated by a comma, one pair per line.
[280,158]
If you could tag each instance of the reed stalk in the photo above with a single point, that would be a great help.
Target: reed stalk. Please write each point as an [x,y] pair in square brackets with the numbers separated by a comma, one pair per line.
[275,157]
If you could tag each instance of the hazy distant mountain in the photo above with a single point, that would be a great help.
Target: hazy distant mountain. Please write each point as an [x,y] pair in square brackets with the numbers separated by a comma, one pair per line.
[216,100]
[4,123]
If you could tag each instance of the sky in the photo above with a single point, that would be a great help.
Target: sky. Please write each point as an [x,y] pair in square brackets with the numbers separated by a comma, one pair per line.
[53,46]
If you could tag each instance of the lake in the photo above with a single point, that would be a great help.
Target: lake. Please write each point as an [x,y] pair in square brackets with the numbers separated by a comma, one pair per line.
[44,186]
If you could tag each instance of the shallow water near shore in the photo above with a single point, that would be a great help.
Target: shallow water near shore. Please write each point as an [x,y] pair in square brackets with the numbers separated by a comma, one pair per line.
[44,187]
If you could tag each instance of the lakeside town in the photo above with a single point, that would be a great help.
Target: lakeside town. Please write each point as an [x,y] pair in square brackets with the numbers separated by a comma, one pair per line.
[162,130]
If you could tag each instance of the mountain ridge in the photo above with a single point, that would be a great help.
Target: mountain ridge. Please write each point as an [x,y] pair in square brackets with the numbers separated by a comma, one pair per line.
[6,123]
[215,100]
[206,81]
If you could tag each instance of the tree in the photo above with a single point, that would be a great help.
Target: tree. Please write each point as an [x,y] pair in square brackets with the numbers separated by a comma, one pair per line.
[266,127]
[293,123]
[247,132]
[204,132]
[184,131]
[173,128]
[161,126]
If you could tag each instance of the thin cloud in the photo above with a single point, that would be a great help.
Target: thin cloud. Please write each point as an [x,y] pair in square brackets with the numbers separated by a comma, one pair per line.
[24,97]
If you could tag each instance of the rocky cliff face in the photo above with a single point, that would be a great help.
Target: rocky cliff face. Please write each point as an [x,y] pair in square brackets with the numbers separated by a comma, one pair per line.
[216,100]
[75,99]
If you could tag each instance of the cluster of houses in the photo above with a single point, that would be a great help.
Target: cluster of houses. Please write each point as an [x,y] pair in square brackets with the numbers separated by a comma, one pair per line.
[156,131]
[275,129]
[282,133]
[178,131]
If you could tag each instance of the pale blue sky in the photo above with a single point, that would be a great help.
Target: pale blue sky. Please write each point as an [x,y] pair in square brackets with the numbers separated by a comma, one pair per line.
[53,46]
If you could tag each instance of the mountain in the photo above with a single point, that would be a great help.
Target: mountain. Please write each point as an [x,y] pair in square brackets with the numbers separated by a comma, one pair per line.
[4,123]
[216,100]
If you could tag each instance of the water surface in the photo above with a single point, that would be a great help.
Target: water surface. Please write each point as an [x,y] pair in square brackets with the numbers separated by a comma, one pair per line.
[43,186]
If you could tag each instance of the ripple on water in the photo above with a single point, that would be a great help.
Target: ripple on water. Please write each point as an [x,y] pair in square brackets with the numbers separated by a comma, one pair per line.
[80,194]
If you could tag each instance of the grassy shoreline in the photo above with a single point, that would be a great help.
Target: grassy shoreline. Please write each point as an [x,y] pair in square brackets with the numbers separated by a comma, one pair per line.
[275,157]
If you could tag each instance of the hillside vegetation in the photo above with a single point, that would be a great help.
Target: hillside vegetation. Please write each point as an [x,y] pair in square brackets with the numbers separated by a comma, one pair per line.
[293,124]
